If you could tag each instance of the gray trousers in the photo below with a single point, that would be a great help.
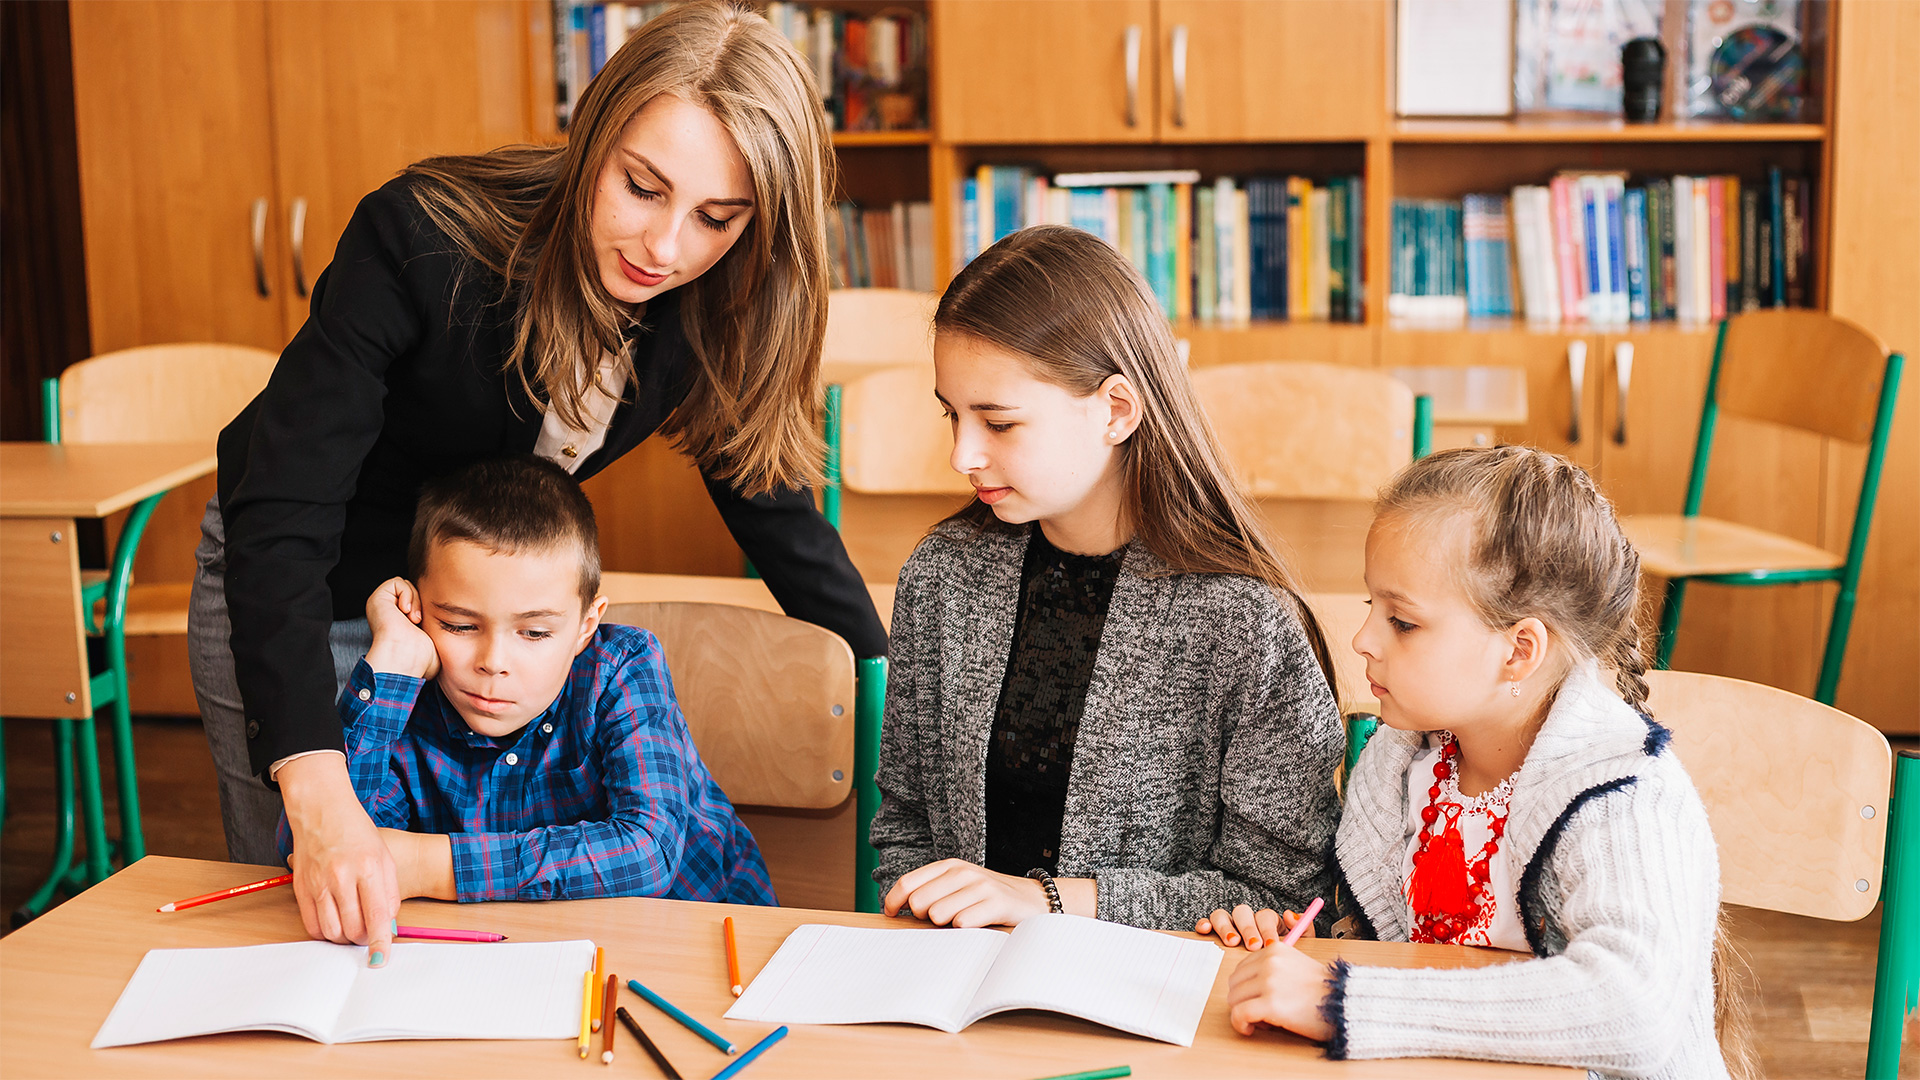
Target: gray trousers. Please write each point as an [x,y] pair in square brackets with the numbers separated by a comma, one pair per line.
[249,810]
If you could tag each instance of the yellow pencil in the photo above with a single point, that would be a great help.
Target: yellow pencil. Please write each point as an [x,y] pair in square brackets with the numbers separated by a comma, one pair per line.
[599,973]
[586,1011]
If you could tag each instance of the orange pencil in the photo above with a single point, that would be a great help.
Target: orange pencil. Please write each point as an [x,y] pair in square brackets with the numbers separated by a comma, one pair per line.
[599,969]
[237,890]
[733,956]
[607,1005]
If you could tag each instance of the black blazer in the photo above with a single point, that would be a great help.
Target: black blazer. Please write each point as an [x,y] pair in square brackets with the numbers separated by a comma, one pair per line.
[398,377]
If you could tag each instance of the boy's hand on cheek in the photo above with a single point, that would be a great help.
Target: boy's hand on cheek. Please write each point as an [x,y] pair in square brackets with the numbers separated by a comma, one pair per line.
[954,892]
[400,647]
[423,863]
[1282,987]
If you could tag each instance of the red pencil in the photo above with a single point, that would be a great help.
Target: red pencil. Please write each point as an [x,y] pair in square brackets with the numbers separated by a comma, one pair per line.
[608,1004]
[237,890]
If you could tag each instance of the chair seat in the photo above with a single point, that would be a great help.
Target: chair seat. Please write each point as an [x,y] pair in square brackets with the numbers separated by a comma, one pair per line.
[153,610]
[1673,546]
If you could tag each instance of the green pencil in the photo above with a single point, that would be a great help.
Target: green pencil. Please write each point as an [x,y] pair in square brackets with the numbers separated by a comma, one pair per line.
[1096,1074]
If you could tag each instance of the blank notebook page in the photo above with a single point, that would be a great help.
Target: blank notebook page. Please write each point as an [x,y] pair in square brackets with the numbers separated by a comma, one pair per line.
[849,975]
[1136,980]
[179,992]
[513,990]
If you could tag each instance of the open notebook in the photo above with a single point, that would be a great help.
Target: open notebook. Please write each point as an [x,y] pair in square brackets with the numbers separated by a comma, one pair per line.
[327,993]
[1136,980]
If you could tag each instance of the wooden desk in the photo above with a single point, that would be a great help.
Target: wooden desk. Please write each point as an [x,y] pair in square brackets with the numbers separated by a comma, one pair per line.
[60,975]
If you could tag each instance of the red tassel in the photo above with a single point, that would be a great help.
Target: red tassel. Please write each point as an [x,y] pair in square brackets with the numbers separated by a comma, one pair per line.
[1440,875]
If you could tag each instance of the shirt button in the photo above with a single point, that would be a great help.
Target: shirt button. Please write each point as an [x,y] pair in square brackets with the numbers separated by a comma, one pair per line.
[546,729]
[366,695]
[513,759]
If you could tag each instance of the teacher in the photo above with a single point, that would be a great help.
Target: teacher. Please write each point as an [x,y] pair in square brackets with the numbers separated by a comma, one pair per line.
[663,272]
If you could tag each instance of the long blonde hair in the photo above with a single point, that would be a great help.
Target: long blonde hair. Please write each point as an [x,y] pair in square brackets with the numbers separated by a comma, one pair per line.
[755,321]
[1079,313]
[1544,542]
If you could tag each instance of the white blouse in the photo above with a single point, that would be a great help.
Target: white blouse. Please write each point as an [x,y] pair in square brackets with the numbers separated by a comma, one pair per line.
[568,446]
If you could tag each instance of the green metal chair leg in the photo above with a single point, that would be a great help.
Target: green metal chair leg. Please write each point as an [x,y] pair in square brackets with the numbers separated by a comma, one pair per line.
[93,812]
[871,694]
[42,897]
[1896,984]
[1836,655]
[830,497]
[133,843]
[1670,604]
[1422,426]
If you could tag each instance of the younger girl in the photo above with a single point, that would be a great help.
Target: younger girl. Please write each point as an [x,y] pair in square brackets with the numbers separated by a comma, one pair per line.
[1514,797]
[1106,696]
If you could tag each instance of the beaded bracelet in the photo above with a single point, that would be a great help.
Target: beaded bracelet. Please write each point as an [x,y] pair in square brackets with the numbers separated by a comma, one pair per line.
[1053,891]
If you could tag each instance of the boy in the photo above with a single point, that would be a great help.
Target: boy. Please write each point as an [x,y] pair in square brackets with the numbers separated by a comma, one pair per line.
[511,746]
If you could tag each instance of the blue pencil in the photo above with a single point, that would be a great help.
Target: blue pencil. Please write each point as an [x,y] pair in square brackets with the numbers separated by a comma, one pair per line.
[773,1037]
[689,1022]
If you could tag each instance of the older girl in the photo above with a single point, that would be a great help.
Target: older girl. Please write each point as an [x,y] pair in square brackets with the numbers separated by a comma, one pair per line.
[1106,696]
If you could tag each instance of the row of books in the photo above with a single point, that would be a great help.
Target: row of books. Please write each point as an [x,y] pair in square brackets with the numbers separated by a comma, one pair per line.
[871,71]
[1604,249]
[885,247]
[1261,247]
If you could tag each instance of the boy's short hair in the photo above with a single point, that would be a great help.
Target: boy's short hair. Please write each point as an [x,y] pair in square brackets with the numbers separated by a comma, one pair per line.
[508,505]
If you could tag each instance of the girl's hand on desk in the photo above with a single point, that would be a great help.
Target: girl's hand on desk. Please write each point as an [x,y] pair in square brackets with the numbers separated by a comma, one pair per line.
[343,874]
[399,647]
[1283,987]
[955,892]
[1255,928]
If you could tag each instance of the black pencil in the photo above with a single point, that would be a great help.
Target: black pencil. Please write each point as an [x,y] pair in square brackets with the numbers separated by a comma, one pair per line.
[653,1051]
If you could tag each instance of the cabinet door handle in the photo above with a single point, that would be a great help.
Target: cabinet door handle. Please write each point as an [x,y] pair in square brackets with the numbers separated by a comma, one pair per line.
[298,229]
[260,246]
[1623,377]
[1577,376]
[1180,76]
[1133,76]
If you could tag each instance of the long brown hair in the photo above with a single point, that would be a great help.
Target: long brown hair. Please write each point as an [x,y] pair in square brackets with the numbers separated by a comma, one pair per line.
[755,320]
[1079,313]
[1544,543]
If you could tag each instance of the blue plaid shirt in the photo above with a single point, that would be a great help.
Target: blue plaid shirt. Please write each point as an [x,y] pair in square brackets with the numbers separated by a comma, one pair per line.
[603,794]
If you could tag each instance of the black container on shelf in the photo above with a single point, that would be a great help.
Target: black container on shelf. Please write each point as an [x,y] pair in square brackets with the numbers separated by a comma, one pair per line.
[1643,63]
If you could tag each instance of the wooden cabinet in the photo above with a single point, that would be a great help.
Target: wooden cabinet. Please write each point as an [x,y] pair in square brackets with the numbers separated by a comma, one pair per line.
[1060,71]
[1270,69]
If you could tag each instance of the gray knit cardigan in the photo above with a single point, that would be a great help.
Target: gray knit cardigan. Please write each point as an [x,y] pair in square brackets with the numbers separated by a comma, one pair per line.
[1619,897]
[1202,774]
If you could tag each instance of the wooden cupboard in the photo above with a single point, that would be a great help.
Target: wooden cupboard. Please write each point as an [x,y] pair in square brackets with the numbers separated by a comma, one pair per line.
[1243,69]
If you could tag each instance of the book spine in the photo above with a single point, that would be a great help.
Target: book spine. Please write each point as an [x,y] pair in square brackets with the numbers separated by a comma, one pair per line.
[1669,274]
[984,204]
[1160,245]
[1207,280]
[1651,250]
[1299,250]
[1636,253]
[1505,295]
[597,38]
[1319,270]
[1568,271]
[1702,249]
[1356,250]
[1730,213]
[1337,249]
[1183,251]
[1527,278]
[1224,245]
[1798,259]
[1260,255]
[1683,249]
[1776,212]
[1590,239]
[1242,265]
[1716,247]
[1750,249]
[1474,239]
[1614,189]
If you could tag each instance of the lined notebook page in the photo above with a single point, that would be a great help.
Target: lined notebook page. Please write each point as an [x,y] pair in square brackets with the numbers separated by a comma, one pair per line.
[505,990]
[297,986]
[1135,980]
[848,975]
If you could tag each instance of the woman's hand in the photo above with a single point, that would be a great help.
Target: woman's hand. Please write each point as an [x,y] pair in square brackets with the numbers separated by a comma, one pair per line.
[1257,928]
[1281,986]
[343,874]
[955,892]
[399,647]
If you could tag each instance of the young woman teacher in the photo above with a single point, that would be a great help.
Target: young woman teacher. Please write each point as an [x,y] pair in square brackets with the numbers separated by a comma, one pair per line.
[664,272]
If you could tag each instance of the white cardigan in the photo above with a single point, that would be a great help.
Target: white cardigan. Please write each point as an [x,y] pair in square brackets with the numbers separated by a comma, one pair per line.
[1620,900]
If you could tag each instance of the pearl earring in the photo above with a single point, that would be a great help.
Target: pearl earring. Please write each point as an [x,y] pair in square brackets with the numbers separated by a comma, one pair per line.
[1514,689]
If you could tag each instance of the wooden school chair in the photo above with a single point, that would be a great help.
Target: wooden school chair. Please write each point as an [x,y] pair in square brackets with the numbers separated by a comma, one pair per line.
[1813,815]
[1312,443]
[896,477]
[867,330]
[1800,369]
[789,725]
[160,393]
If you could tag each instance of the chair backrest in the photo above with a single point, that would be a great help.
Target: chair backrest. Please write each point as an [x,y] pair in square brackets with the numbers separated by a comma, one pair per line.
[894,439]
[876,327]
[1802,369]
[769,699]
[1341,616]
[1796,791]
[1309,430]
[160,393]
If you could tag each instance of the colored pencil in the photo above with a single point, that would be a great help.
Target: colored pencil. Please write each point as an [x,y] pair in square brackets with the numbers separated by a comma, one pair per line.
[610,999]
[599,972]
[1095,1074]
[586,1011]
[1306,920]
[435,933]
[686,1021]
[772,1037]
[653,1051]
[237,890]
[733,956]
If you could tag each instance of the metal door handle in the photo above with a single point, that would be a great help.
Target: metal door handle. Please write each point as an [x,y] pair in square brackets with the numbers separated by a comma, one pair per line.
[298,228]
[1133,76]
[1180,76]
[260,246]
[1623,376]
[1577,375]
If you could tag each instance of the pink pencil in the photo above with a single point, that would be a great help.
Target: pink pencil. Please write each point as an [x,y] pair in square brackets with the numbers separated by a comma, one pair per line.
[1299,928]
[434,933]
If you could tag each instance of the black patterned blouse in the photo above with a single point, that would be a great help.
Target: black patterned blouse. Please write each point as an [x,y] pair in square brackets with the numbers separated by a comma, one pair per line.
[1056,635]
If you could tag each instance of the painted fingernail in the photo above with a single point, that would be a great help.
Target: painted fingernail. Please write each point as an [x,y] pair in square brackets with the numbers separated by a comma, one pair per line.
[393,927]
[1273,941]
[378,959]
